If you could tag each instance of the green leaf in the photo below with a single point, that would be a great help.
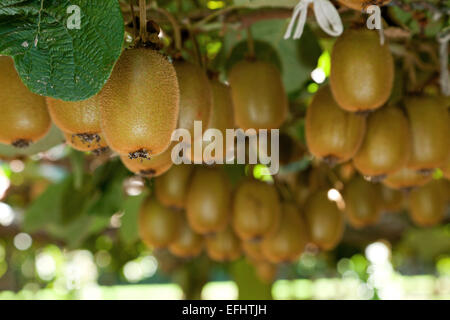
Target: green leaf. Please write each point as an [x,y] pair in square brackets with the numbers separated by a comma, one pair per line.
[55,60]
[129,230]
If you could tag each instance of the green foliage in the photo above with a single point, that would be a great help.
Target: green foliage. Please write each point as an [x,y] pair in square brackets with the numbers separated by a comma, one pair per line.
[55,60]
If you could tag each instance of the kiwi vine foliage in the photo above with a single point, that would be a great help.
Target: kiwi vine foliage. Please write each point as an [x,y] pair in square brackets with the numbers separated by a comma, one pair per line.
[56,61]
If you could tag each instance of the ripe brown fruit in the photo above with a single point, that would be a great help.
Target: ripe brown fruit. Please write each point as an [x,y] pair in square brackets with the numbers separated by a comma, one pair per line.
[332,134]
[427,204]
[386,147]
[258,95]
[171,188]
[406,178]
[446,169]
[187,244]
[158,225]
[430,130]
[256,210]
[139,105]
[324,220]
[363,202]
[223,246]
[287,242]
[24,117]
[266,271]
[195,96]
[89,142]
[253,251]
[150,168]
[362,71]
[392,199]
[208,201]
[362,4]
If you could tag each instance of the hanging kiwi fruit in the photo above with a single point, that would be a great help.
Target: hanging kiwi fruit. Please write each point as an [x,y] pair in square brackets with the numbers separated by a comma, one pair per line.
[223,246]
[253,251]
[406,178]
[171,188]
[446,169]
[139,105]
[86,142]
[427,204]
[208,201]
[386,146]
[363,202]
[266,271]
[256,210]
[187,244]
[24,117]
[324,220]
[362,71]
[259,97]
[158,225]
[288,240]
[430,130]
[332,134]
[392,200]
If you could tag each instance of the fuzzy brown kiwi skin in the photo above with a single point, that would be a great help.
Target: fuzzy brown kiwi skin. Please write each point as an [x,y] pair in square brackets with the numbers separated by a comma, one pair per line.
[430,129]
[24,117]
[362,71]
[406,179]
[332,134]
[259,96]
[427,204]
[208,201]
[139,105]
[158,225]
[171,188]
[187,244]
[256,210]
[223,246]
[324,220]
[393,200]
[386,146]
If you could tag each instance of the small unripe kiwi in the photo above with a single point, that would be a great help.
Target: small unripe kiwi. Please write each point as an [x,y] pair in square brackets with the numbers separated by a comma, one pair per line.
[187,244]
[406,178]
[362,4]
[24,118]
[223,246]
[139,105]
[171,188]
[256,210]
[386,146]
[86,142]
[208,201]
[427,204]
[324,220]
[258,93]
[158,225]
[362,71]
[332,134]
[430,130]
[363,202]
[195,96]
[151,168]
[287,242]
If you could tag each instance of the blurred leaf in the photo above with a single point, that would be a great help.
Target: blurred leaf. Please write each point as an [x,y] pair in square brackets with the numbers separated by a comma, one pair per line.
[129,232]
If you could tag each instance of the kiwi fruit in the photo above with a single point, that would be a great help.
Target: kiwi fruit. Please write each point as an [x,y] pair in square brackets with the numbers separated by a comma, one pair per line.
[392,200]
[196,96]
[208,200]
[221,118]
[362,71]
[386,146]
[223,246]
[427,204]
[259,96]
[363,203]
[150,168]
[406,178]
[24,116]
[430,129]
[266,271]
[332,134]
[288,240]
[253,251]
[187,244]
[158,225]
[362,4]
[139,105]
[446,169]
[324,220]
[171,188]
[256,209]
[86,142]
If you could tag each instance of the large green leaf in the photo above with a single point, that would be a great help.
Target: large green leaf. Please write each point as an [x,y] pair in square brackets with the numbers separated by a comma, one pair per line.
[54,59]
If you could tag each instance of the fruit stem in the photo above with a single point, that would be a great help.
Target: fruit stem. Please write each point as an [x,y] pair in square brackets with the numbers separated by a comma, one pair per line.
[250,43]
[143,20]
[133,17]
